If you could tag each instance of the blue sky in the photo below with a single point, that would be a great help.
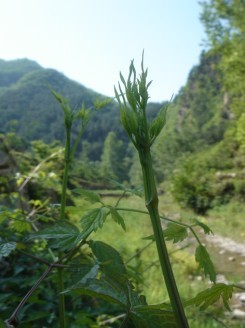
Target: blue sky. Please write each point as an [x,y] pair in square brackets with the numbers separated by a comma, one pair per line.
[90,41]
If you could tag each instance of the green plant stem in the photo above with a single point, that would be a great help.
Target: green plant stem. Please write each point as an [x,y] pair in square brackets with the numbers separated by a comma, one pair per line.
[65,175]
[151,201]
[62,217]
[61,298]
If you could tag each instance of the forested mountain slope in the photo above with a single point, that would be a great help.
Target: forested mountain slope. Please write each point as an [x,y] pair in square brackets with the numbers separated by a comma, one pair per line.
[201,151]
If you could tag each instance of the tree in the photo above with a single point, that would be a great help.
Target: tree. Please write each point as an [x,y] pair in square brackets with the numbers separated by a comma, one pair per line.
[112,166]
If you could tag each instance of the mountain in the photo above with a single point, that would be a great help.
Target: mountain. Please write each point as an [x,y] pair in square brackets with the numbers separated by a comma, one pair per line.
[28,108]
[200,151]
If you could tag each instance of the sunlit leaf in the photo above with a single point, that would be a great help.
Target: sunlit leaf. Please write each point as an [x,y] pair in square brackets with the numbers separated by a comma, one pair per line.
[211,295]
[21,225]
[175,232]
[205,262]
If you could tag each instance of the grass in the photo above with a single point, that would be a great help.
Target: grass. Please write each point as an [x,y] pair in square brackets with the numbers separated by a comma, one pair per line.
[228,221]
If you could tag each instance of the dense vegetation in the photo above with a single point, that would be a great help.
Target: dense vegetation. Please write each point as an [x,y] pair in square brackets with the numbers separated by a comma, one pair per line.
[199,157]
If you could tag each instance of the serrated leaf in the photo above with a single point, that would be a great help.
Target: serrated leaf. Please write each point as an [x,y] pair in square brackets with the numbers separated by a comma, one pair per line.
[65,235]
[117,218]
[152,316]
[205,262]
[6,248]
[211,295]
[110,260]
[88,195]
[81,272]
[205,228]
[175,232]
[105,289]
[93,219]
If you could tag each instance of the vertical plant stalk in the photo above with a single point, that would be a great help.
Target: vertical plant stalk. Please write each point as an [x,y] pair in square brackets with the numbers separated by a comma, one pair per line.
[61,298]
[62,217]
[133,103]
[151,201]
[65,174]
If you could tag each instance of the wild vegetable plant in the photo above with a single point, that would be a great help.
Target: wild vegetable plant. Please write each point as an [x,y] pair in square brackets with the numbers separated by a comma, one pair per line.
[98,269]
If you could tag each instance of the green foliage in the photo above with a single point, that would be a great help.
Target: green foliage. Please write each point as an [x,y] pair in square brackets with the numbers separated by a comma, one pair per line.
[203,258]
[201,150]
[175,232]
[211,295]
[94,219]
[6,248]
[63,235]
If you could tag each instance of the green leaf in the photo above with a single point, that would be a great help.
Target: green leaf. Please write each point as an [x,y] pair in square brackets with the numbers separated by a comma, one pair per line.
[205,262]
[93,219]
[81,272]
[157,124]
[21,225]
[205,228]
[117,218]
[175,232]
[152,316]
[4,215]
[212,295]
[6,248]
[65,234]
[88,195]
[105,289]
[110,260]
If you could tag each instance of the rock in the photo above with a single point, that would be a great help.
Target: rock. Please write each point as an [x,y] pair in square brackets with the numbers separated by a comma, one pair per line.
[231,258]
[221,279]
[238,314]
[242,298]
